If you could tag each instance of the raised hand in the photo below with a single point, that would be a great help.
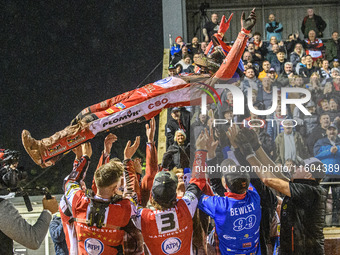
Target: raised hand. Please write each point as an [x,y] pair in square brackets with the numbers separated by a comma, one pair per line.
[249,22]
[202,140]
[150,130]
[109,140]
[137,165]
[130,150]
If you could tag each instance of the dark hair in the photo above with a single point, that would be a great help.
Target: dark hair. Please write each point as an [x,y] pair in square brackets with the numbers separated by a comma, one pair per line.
[257,33]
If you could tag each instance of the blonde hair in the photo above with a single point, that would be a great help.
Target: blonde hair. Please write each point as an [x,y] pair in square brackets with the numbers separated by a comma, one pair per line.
[108,174]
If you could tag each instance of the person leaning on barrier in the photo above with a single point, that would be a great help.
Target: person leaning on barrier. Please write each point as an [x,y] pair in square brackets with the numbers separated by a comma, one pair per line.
[303,207]
[13,227]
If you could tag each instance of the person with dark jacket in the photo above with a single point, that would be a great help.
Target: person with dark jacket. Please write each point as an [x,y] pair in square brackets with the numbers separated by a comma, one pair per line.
[318,132]
[180,150]
[174,124]
[333,47]
[58,236]
[313,22]
[303,207]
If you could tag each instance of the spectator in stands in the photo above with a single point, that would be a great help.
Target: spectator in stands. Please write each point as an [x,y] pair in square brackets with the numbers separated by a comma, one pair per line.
[193,68]
[334,113]
[199,125]
[309,121]
[179,68]
[247,59]
[256,54]
[286,75]
[313,22]
[336,63]
[271,43]
[289,145]
[307,71]
[271,55]
[274,28]
[327,149]
[260,47]
[211,27]
[278,64]
[300,64]
[185,62]
[177,47]
[297,54]
[172,70]
[333,47]
[265,93]
[273,76]
[250,81]
[265,70]
[325,71]
[204,46]
[313,46]
[336,84]
[275,127]
[174,124]
[180,150]
[293,39]
[318,132]
[194,48]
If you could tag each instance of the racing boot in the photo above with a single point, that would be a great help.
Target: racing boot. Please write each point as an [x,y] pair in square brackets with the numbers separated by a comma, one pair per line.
[47,151]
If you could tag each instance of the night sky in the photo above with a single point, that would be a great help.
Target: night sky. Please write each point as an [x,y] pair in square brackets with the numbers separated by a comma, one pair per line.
[57,57]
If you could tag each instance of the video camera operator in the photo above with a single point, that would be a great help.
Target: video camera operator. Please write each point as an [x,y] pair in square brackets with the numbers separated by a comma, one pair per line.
[12,225]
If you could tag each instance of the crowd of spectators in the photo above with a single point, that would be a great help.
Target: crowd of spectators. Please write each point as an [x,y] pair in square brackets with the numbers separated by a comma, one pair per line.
[307,63]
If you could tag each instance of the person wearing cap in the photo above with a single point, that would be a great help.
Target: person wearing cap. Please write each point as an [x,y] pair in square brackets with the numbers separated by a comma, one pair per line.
[177,47]
[327,149]
[237,215]
[172,70]
[333,47]
[174,124]
[168,227]
[303,206]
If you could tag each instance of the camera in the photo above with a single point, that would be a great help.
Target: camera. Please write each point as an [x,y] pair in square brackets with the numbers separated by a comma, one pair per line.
[10,174]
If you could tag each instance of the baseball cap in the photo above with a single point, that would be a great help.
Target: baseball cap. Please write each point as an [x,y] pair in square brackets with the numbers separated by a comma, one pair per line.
[164,188]
[272,70]
[332,126]
[175,109]
[171,67]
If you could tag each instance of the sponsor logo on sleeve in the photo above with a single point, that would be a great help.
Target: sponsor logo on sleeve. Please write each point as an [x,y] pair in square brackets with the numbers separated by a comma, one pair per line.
[109,111]
[246,245]
[93,246]
[229,237]
[158,103]
[171,245]
[120,106]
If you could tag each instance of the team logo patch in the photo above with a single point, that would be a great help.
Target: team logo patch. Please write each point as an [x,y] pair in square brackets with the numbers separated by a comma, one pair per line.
[109,111]
[75,140]
[120,106]
[93,246]
[171,245]
[55,150]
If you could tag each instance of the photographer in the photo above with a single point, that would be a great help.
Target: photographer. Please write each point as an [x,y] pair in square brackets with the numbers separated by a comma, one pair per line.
[12,225]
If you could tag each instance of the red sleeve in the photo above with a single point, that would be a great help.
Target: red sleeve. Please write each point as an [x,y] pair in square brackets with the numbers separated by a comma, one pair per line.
[79,170]
[151,170]
[230,63]
[131,181]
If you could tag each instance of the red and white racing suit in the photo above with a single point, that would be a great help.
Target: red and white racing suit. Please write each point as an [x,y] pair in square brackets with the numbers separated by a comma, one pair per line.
[93,240]
[139,104]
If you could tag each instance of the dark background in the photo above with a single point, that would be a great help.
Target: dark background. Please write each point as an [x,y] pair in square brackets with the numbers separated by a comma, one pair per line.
[57,57]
